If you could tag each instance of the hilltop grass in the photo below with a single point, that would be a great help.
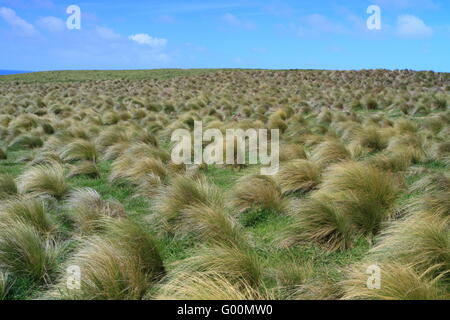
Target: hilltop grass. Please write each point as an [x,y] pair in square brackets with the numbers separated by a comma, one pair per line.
[209,223]
[97,75]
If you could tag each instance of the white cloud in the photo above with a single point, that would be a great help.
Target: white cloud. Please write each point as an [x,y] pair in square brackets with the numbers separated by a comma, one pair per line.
[16,22]
[145,39]
[404,4]
[413,27]
[235,22]
[107,33]
[315,25]
[52,24]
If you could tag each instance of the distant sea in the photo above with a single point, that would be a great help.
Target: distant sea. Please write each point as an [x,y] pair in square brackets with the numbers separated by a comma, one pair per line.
[6,72]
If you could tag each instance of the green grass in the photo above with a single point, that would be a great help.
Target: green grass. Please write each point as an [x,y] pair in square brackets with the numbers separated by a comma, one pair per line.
[261,225]
[93,75]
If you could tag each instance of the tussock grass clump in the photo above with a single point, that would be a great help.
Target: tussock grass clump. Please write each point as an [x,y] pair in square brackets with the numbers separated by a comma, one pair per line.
[208,286]
[120,264]
[142,150]
[421,240]
[398,282]
[353,200]
[116,150]
[292,274]
[25,121]
[26,142]
[317,288]
[79,149]
[391,161]
[8,186]
[126,168]
[257,192]
[44,180]
[291,152]
[236,263]
[214,225]
[30,211]
[87,209]
[329,152]
[25,252]
[406,126]
[318,220]
[148,186]
[56,142]
[410,144]
[84,168]
[45,158]
[364,193]
[276,122]
[112,136]
[357,151]
[182,193]
[371,138]
[435,197]
[298,175]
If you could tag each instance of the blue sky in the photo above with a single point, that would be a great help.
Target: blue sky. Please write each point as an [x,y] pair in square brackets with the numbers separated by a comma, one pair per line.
[289,34]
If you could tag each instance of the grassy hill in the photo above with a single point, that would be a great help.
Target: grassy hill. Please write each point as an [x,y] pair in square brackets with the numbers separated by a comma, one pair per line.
[86,179]
[96,75]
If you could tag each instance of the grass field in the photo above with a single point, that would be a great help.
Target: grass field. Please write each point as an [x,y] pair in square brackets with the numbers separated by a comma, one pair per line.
[86,180]
[97,75]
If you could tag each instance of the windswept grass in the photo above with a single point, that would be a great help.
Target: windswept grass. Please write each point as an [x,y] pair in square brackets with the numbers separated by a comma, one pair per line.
[25,252]
[181,194]
[120,264]
[399,282]
[44,180]
[87,181]
[298,176]
[208,286]
[257,192]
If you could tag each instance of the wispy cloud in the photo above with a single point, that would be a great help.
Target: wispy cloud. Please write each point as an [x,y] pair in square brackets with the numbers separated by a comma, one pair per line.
[52,24]
[146,39]
[19,24]
[413,27]
[316,24]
